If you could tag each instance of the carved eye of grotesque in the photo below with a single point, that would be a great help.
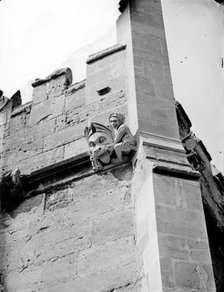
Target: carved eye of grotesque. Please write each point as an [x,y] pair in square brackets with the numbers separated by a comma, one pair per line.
[99,139]
[92,144]
[102,139]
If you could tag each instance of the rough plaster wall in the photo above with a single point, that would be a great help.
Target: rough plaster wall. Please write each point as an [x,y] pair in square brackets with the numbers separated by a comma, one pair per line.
[76,238]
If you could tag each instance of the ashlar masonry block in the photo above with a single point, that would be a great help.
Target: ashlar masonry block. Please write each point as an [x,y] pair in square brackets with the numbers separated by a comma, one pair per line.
[106,75]
[48,96]
[3,118]
[78,236]
[46,110]
[171,231]
[75,96]
[52,86]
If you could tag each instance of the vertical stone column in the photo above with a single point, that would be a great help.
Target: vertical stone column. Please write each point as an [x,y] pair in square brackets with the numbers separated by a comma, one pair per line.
[141,28]
[171,235]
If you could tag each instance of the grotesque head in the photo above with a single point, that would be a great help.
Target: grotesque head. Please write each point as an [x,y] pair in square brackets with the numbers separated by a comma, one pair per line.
[116,120]
[100,142]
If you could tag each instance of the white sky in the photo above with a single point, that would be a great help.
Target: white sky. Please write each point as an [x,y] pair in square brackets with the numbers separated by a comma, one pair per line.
[195,37]
[37,36]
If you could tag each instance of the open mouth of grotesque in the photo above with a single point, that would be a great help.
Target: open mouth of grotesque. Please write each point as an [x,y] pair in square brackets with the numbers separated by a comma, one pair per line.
[103,155]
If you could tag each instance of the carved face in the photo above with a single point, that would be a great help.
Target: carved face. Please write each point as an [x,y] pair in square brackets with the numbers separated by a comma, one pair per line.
[114,122]
[101,146]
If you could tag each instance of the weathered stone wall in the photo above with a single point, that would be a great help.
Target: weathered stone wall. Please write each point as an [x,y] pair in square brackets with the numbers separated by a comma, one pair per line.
[78,237]
[183,241]
[171,236]
[121,229]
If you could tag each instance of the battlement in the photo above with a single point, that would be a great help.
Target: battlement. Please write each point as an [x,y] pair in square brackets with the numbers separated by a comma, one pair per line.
[50,128]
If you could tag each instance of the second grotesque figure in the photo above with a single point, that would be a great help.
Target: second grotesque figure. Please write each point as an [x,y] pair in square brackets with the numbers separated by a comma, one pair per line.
[112,144]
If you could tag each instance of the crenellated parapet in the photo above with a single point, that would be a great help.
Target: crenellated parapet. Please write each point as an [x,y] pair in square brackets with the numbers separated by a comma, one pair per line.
[50,128]
[52,86]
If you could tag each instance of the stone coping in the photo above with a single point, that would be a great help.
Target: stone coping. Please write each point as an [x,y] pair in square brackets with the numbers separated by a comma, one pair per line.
[76,86]
[22,108]
[54,75]
[104,53]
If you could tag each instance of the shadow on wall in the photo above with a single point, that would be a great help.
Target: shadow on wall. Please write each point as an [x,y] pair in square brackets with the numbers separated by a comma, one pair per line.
[212,189]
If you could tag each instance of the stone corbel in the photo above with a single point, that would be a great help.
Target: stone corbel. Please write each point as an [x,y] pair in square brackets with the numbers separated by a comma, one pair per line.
[12,191]
[110,145]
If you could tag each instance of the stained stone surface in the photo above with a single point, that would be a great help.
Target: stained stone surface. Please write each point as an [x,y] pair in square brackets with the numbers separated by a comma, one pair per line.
[80,235]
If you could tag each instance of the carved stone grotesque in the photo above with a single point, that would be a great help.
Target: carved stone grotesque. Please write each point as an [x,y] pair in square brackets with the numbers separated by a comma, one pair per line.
[190,143]
[100,143]
[11,189]
[112,144]
[123,139]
